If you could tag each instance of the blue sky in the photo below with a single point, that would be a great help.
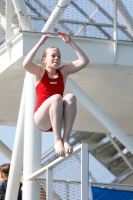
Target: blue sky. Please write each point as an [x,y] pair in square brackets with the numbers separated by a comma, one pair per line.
[7,135]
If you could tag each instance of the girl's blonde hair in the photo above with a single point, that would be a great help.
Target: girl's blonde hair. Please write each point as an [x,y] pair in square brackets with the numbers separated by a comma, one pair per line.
[45,52]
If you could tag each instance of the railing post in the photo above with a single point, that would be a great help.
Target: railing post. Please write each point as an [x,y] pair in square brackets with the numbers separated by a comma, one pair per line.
[49,184]
[84,172]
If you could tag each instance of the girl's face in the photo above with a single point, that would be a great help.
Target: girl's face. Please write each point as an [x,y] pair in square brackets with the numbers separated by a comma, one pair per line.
[53,58]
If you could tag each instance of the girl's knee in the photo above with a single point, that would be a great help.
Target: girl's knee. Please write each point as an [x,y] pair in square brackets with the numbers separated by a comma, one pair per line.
[57,97]
[70,97]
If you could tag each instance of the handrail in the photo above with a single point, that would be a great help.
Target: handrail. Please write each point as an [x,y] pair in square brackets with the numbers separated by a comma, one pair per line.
[53,163]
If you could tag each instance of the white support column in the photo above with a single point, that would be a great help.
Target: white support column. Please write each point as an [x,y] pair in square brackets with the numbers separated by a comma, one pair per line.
[120,151]
[24,21]
[9,14]
[84,172]
[115,28]
[32,135]
[8,26]
[100,115]
[55,16]
[49,184]
[32,142]
[17,155]
[115,19]
[14,29]
[88,20]
[5,150]
[123,12]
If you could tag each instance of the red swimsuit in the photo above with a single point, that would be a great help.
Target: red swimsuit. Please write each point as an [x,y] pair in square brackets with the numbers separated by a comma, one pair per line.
[48,87]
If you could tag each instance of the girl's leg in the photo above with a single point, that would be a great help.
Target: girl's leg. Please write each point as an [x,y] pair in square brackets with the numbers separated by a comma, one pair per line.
[50,115]
[56,115]
[69,102]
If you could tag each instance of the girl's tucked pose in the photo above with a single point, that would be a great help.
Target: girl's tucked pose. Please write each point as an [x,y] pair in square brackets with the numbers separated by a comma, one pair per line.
[53,111]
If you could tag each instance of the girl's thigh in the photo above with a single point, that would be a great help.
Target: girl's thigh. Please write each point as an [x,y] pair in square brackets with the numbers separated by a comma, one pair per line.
[41,116]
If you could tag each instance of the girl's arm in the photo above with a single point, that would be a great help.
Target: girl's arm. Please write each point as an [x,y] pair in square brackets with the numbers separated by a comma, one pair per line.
[82,58]
[28,64]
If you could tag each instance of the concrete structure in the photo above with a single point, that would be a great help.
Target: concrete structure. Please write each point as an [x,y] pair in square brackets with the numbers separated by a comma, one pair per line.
[107,80]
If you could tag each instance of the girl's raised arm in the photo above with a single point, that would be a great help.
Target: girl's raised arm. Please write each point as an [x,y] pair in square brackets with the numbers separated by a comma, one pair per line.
[82,58]
[27,63]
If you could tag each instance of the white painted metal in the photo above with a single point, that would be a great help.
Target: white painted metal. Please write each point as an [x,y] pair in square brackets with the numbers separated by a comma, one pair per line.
[17,155]
[5,150]
[32,142]
[55,16]
[8,24]
[123,12]
[14,29]
[119,150]
[88,20]
[92,177]
[31,126]
[90,192]
[115,19]
[16,53]
[84,172]
[49,184]
[67,191]
[102,48]
[9,14]
[115,28]
[100,115]
[20,9]
[53,164]
[32,150]
[114,186]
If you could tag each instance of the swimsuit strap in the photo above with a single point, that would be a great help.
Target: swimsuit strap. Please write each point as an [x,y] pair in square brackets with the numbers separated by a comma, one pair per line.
[46,72]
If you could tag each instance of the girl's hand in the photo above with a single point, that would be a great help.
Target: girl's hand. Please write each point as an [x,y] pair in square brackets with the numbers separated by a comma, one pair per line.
[65,37]
[44,38]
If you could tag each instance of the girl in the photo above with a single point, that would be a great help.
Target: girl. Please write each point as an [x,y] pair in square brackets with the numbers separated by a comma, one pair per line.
[53,111]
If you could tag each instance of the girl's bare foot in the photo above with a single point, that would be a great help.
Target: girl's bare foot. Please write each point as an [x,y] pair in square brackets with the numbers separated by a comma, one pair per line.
[59,148]
[68,148]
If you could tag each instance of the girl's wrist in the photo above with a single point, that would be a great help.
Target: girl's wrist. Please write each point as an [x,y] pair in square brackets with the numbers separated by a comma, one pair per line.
[68,40]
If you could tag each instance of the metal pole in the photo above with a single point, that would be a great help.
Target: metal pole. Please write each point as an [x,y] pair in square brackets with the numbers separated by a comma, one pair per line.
[115,19]
[14,29]
[126,17]
[49,185]
[32,143]
[32,136]
[20,9]
[119,150]
[100,115]
[115,29]
[84,172]
[17,155]
[55,16]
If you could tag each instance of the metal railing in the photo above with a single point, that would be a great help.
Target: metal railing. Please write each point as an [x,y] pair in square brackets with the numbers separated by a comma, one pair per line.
[49,177]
